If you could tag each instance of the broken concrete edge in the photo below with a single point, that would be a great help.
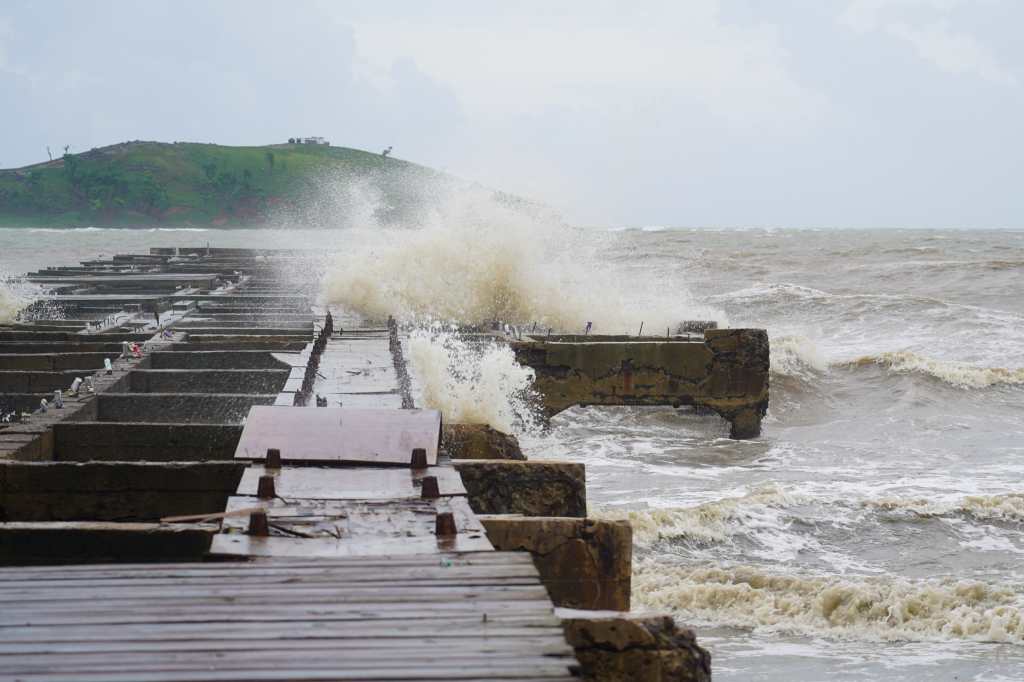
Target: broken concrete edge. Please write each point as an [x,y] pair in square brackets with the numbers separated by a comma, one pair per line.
[530,488]
[616,646]
[584,563]
[479,441]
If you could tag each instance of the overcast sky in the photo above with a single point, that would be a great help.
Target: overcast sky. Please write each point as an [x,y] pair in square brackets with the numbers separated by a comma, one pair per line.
[870,113]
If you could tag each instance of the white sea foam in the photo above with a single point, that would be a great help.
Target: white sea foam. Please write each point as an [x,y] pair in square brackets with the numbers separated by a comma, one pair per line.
[882,609]
[472,384]
[473,257]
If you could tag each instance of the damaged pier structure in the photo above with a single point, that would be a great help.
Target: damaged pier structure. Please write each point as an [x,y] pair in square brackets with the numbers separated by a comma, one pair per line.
[725,371]
[206,475]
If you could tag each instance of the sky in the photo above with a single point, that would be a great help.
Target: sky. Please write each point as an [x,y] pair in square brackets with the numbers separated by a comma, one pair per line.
[728,113]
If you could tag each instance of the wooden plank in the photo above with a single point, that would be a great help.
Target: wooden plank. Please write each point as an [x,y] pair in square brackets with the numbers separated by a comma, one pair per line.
[351,483]
[545,645]
[364,520]
[410,673]
[406,562]
[245,545]
[340,435]
[454,626]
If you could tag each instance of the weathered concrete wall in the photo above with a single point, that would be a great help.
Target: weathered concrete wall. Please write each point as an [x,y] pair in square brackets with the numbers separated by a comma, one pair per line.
[234,359]
[260,381]
[26,543]
[260,343]
[114,491]
[23,381]
[119,441]
[12,334]
[727,373]
[50,362]
[108,347]
[479,441]
[176,408]
[584,563]
[624,648]
[529,488]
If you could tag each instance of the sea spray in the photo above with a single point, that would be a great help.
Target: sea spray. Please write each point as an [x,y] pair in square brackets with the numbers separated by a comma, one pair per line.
[473,256]
[472,383]
[15,296]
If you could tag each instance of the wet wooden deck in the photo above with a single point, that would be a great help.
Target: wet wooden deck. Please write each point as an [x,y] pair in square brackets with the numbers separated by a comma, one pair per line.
[425,617]
[370,565]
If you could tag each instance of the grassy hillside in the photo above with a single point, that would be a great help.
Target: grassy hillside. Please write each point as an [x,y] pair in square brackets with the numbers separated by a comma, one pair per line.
[154,183]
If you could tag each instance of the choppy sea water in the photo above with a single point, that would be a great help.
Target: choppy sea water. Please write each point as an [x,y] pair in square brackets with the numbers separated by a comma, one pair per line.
[874,530]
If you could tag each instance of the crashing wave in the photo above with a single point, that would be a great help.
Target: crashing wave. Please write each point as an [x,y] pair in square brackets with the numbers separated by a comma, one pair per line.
[473,258]
[796,356]
[472,384]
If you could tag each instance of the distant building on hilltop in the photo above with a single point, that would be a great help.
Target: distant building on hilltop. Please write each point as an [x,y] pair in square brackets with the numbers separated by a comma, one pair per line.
[308,140]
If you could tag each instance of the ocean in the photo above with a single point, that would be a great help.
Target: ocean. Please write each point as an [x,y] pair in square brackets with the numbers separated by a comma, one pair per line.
[873,531]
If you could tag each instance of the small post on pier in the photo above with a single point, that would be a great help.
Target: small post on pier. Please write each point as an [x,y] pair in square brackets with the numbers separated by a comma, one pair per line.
[419,458]
[273,458]
[258,524]
[444,525]
[430,490]
[265,488]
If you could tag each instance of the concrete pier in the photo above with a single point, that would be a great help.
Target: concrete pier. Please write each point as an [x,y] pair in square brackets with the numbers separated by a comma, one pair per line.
[276,505]
[725,371]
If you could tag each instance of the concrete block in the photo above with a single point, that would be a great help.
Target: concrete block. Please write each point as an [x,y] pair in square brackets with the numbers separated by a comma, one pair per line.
[533,488]
[479,441]
[114,491]
[127,442]
[236,359]
[618,647]
[727,372]
[584,563]
[98,542]
[211,408]
[208,380]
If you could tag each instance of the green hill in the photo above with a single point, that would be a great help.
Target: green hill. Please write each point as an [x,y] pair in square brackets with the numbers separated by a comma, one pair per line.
[155,183]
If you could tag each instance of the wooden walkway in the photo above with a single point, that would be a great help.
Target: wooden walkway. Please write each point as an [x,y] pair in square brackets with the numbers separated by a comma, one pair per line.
[362,561]
[420,617]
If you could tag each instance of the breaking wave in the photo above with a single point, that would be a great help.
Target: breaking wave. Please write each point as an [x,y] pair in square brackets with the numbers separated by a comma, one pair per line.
[796,356]
[883,608]
[959,374]
[1008,507]
[474,257]
[472,384]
